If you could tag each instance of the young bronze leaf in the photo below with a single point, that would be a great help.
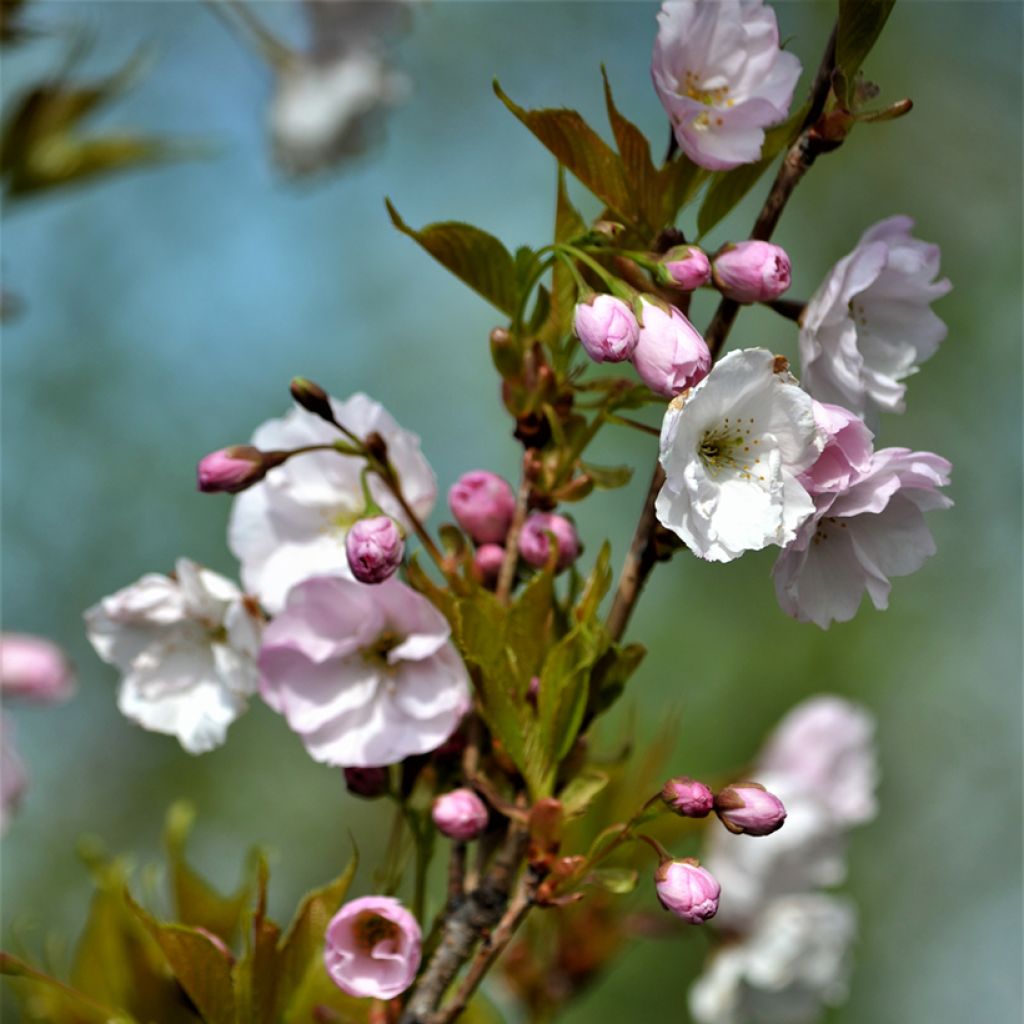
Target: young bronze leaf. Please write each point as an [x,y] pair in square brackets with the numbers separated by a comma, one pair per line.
[472,255]
[860,24]
[635,152]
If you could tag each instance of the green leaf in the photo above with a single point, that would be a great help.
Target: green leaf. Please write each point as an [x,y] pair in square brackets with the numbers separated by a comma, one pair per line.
[256,974]
[598,582]
[729,187]
[195,901]
[678,182]
[581,791]
[611,674]
[472,255]
[301,949]
[529,628]
[580,149]
[620,881]
[608,477]
[562,699]
[860,24]
[635,153]
[47,999]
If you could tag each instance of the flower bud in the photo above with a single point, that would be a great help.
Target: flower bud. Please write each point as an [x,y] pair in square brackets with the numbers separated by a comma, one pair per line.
[607,328]
[483,505]
[749,808]
[231,470]
[460,815]
[34,669]
[671,355]
[374,548]
[687,889]
[312,398]
[686,267]
[688,797]
[535,544]
[752,271]
[367,782]
[488,560]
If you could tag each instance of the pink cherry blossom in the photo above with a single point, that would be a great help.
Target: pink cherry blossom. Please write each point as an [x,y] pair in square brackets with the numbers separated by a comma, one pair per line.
[861,536]
[230,470]
[847,452]
[721,77]
[34,669]
[688,797]
[365,675]
[374,547]
[372,948]
[749,809]
[671,355]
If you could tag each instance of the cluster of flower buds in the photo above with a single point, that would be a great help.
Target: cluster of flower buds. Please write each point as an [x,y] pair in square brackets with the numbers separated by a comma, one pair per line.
[484,506]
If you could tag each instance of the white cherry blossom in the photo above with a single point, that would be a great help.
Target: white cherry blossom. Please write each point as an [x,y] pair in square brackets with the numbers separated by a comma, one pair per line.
[733,449]
[186,647]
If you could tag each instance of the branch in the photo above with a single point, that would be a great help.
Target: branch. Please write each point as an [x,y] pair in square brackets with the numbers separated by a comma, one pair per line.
[508,568]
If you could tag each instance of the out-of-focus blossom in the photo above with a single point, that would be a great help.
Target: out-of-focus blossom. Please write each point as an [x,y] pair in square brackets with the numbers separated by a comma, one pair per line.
[606,328]
[460,815]
[186,648]
[686,267]
[365,675]
[870,324]
[752,271]
[671,355]
[293,524]
[748,808]
[688,797]
[483,505]
[372,948]
[733,450]
[488,560]
[687,889]
[721,77]
[861,536]
[827,744]
[34,669]
[793,963]
[13,779]
[847,452]
[535,542]
[374,547]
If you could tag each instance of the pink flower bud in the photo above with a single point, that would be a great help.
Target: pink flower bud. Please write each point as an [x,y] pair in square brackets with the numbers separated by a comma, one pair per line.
[749,808]
[372,948]
[688,890]
[686,267]
[231,470]
[671,355]
[688,797]
[752,271]
[483,505]
[535,544]
[374,548]
[34,669]
[460,815]
[367,782]
[488,561]
[607,328]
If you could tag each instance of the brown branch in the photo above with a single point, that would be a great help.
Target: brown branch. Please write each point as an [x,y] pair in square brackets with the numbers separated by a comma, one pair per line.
[791,309]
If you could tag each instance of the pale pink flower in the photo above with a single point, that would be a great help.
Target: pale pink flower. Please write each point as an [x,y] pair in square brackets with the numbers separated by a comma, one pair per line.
[535,540]
[671,355]
[860,537]
[847,453]
[460,814]
[34,669]
[827,745]
[374,547]
[721,77]
[746,808]
[870,323]
[733,450]
[365,675]
[752,271]
[606,328]
[688,890]
[292,525]
[483,505]
[186,649]
[372,948]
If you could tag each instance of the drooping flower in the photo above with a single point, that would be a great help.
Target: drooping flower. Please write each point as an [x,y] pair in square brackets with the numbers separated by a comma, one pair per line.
[671,355]
[460,815]
[752,271]
[733,450]
[374,547]
[721,77]
[186,647]
[688,890]
[794,962]
[365,675]
[34,669]
[870,324]
[483,505]
[293,524]
[861,536]
[606,328]
[372,948]
[535,540]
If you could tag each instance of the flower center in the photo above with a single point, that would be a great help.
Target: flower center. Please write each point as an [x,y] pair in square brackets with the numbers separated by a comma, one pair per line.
[369,929]
[714,97]
[858,313]
[730,446]
[822,531]
[379,650]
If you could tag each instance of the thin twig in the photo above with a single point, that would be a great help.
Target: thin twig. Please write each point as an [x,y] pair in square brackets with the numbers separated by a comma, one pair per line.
[508,566]
[791,309]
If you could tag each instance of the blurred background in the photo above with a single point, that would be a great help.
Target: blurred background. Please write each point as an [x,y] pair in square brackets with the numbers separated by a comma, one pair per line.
[162,312]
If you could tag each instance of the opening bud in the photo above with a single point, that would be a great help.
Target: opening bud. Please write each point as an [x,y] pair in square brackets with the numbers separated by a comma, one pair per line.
[374,548]
[483,505]
[748,808]
[688,797]
[606,328]
[687,890]
[460,815]
[233,469]
[752,271]
[535,540]
[686,267]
